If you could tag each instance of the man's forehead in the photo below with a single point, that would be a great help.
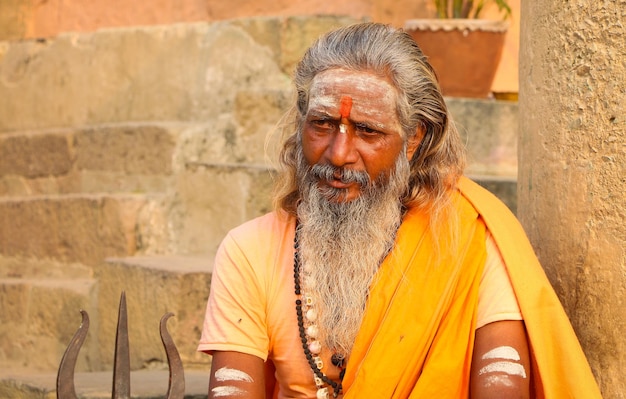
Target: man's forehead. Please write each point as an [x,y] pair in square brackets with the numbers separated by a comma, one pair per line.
[365,89]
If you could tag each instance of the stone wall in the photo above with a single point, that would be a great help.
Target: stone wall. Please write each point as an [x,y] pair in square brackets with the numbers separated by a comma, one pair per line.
[131,142]
[29,19]
[572,178]
[127,154]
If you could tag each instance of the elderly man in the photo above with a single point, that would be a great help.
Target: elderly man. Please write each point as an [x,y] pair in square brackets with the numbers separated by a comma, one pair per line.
[383,272]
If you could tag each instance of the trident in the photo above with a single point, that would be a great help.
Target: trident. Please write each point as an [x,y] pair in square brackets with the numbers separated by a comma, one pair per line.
[121,362]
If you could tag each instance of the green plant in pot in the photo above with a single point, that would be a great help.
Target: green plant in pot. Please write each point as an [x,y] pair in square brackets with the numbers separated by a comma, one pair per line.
[468,8]
[464,48]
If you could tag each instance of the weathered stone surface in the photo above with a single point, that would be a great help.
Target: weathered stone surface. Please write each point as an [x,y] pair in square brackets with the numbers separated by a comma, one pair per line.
[136,70]
[37,155]
[33,268]
[490,130]
[258,116]
[146,150]
[24,19]
[13,17]
[39,318]
[573,167]
[153,287]
[145,384]
[288,38]
[213,199]
[10,388]
[70,229]
[110,158]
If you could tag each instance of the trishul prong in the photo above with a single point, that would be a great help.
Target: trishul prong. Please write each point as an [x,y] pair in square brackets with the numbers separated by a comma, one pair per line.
[121,361]
[176,385]
[65,376]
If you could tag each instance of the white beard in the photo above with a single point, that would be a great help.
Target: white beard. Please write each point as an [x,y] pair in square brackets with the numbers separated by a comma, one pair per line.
[341,246]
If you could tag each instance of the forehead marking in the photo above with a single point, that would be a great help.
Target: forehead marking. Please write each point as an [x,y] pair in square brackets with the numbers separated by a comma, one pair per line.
[374,98]
[346,106]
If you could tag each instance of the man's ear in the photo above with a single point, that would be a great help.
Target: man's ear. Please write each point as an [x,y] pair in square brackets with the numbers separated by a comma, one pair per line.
[415,141]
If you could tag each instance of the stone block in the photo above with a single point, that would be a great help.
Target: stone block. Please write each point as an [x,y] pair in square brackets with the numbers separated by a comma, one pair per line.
[490,130]
[134,158]
[289,37]
[298,33]
[35,155]
[184,72]
[97,182]
[14,15]
[236,137]
[153,287]
[212,199]
[38,319]
[132,149]
[83,229]
[258,117]
[32,268]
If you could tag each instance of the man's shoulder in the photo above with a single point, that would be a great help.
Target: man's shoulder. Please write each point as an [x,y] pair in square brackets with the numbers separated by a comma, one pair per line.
[271,224]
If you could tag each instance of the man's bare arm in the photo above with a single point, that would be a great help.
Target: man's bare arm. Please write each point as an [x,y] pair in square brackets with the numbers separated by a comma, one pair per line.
[501,363]
[236,375]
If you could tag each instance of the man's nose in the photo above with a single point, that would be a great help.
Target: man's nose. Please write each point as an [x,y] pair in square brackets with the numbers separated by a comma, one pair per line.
[342,150]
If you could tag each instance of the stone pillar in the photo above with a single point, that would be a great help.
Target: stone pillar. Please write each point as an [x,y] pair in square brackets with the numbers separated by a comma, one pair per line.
[572,167]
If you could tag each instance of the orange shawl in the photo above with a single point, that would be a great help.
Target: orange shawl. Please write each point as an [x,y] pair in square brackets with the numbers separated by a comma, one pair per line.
[417,334]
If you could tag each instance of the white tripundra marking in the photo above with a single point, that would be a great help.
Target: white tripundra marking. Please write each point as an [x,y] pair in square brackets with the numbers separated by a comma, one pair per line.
[219,392]
[502,352]
[324,99]
[227,374]
[498,380]
[509,368]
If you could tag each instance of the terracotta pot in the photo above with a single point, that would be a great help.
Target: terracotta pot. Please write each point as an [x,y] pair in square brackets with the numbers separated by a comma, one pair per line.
[464,52]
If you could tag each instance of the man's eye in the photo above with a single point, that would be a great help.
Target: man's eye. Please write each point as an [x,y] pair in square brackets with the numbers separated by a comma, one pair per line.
[323,123]
[365,130]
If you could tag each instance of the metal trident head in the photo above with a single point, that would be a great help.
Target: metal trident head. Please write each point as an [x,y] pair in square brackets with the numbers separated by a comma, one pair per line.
[121,368]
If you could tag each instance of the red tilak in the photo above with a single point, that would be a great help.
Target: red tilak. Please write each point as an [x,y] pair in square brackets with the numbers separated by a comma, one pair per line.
[346,106]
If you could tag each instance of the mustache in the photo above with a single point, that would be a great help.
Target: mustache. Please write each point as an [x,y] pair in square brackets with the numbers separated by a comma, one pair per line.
[329,172]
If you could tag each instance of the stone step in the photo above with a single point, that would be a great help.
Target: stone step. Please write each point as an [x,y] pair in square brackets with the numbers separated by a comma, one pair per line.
[108,158]
[154,286]
[172,72]
[79,228]
[39,317]
[489,129]
[40,314]
[144,384]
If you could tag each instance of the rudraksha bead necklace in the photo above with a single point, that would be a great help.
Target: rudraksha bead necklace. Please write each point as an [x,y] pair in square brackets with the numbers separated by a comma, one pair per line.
[311,346]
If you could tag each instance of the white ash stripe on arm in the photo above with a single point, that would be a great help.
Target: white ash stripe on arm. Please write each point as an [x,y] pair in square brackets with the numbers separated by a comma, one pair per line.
[228,374]
[223,391]
[502,352]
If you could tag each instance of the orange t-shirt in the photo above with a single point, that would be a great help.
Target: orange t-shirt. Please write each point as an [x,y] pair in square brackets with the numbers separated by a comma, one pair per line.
[251,308]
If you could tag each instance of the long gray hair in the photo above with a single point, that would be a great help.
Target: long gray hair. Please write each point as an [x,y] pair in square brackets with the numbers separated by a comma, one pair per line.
[439,160]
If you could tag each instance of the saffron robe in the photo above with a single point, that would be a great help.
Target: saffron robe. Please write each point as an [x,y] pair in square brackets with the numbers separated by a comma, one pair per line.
[417,335]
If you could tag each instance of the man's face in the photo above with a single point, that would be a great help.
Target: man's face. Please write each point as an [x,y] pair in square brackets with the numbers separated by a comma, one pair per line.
[351,124]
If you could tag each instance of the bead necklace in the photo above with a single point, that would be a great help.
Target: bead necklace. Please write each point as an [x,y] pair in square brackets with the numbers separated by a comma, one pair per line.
[311,346]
